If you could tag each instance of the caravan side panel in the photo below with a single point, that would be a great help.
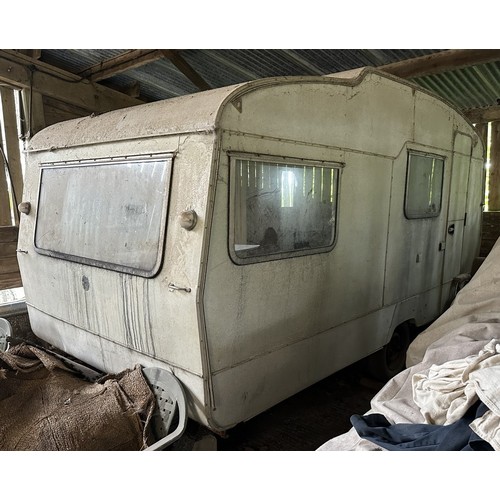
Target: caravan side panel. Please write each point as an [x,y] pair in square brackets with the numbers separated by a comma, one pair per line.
[288,322]
[112,319]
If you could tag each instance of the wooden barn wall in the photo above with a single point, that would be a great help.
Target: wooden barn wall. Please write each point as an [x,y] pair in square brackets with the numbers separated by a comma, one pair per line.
[491,232]
[9,268]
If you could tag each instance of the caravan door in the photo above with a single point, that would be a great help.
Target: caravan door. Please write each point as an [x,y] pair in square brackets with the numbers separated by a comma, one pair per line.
[457,203]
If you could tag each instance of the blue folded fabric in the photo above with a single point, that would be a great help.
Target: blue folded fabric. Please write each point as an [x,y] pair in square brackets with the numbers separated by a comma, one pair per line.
[423,437]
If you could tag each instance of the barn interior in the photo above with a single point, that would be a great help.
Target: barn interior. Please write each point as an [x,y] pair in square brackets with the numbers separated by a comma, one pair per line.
[44,87]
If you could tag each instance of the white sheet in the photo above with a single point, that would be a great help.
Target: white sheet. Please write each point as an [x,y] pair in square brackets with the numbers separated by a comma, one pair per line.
[471,322]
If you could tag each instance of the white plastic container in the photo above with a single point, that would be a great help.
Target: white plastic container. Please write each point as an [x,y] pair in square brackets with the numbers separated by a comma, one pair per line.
[5,333]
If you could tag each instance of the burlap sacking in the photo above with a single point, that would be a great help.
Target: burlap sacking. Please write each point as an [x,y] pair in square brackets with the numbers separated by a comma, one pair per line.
[44,405]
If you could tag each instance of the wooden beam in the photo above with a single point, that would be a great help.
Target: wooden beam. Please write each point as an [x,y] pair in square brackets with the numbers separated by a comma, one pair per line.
[24,72]
[34,53]
[183,66]
[56,111]
[138,57]
[33,113]
[5,211]
[483,115]
[482,130]
[439,62]
[123,62]
[6,207]
[494,185]
[133,90]
[12,147]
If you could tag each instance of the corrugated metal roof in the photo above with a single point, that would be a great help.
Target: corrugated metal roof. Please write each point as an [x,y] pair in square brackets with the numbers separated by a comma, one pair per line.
[77,60]
[471,87]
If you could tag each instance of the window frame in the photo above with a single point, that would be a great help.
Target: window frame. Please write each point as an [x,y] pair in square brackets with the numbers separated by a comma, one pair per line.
[168,157]
[232,157]
[413,152]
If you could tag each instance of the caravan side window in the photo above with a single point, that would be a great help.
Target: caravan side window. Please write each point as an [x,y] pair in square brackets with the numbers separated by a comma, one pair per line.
[281,208]
[109,214]
[424,182]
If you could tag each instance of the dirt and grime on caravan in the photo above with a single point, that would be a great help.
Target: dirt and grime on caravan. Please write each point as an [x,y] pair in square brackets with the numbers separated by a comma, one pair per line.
[301,423]
[333,215]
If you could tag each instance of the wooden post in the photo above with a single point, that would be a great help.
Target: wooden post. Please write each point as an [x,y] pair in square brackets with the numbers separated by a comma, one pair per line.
[12,148]
[482,130]
[494,186]
[34,112]
[5,211]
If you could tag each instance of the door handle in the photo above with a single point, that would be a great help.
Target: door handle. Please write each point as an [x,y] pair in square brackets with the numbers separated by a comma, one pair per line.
[451,228]
[172,287]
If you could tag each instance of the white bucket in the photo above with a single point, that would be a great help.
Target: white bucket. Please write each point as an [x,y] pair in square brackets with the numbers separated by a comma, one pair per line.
[5,333]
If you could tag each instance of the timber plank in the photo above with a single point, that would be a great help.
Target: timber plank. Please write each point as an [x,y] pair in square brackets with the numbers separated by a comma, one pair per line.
[26,73]
[9,265]
[12,141]
[490,232]
[483,115]
[11,280]
[10,277]
[439,62]
[7,249]
[8,234]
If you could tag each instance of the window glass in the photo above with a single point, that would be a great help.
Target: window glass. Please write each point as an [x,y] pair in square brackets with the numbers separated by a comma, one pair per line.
[423,185]
[110,215]
[281,208]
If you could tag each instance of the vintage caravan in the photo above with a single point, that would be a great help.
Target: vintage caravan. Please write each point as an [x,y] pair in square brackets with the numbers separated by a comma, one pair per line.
[252,239]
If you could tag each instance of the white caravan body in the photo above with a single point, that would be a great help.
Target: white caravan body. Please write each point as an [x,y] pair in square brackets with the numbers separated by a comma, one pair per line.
[252,239]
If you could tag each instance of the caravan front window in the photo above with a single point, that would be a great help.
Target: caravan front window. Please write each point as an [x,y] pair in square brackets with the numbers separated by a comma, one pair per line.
[281,208]
[107,214]
[424,184]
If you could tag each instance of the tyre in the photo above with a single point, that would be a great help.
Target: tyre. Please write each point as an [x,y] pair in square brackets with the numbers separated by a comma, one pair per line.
[456,285]
[391,359]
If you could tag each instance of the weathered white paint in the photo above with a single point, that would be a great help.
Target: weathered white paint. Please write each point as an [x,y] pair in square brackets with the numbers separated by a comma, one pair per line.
[248,336]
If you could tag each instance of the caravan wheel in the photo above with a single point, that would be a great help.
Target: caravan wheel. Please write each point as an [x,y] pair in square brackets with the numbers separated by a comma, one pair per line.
[456,285]
[391,359]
